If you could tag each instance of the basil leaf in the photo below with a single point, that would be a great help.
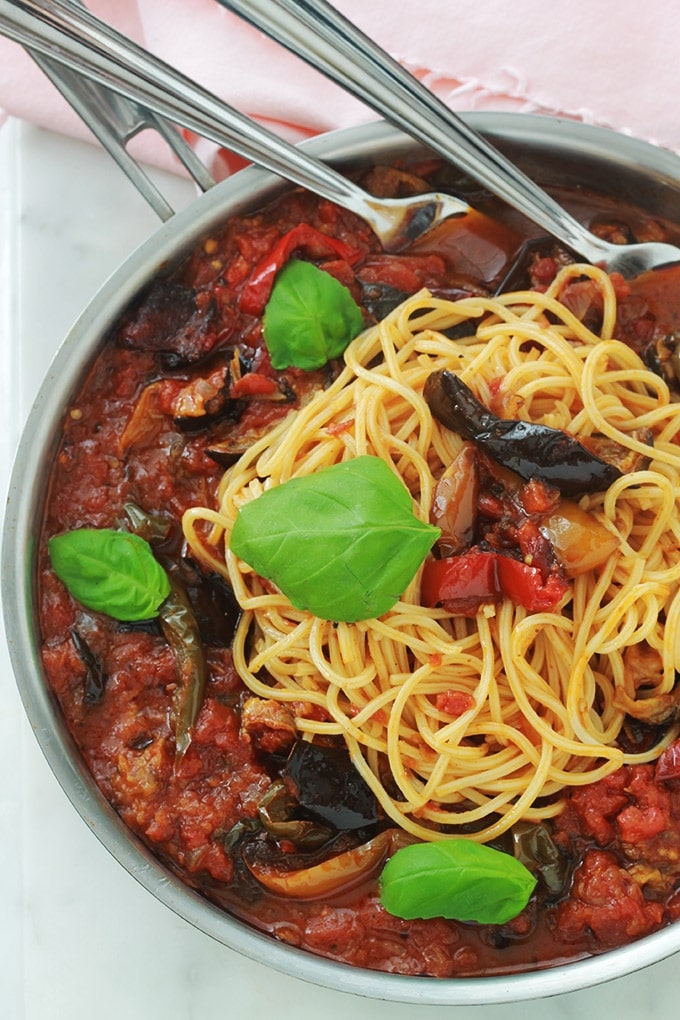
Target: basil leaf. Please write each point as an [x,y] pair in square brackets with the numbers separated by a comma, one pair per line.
[457,879]
[310,317]
[112,572]
[342,543]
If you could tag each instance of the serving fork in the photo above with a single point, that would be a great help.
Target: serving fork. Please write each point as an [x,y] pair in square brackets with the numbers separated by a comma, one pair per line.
[317,32]
[120,87]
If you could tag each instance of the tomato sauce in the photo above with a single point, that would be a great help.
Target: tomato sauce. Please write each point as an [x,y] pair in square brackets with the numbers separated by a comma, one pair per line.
[181,387]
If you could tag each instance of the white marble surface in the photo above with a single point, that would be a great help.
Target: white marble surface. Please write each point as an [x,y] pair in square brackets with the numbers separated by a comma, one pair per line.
[79,939]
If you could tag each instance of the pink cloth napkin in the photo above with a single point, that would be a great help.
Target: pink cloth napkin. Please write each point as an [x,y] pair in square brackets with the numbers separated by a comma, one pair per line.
[593,60]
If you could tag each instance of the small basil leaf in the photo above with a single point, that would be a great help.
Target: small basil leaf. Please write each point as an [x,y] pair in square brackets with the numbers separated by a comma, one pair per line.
[342,543]
[112,572]
[456,879]
[310,317]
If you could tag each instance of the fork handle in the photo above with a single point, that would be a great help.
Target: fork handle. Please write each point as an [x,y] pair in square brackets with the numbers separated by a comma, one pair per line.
[66,32]
[317,32]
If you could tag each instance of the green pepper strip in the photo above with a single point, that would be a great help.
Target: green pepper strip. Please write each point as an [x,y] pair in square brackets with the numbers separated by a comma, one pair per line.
[180,628]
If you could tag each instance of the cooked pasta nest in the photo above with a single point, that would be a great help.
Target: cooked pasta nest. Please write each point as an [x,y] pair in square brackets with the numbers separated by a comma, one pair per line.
[546,688]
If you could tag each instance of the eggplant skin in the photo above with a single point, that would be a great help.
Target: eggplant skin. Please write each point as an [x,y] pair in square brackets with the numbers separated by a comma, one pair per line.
[530,450]
[326,784]
[167,320]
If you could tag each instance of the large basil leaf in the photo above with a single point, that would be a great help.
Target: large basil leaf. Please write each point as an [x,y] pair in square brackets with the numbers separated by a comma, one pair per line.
[342,543]
[112,572]
[457,879]
[310,317]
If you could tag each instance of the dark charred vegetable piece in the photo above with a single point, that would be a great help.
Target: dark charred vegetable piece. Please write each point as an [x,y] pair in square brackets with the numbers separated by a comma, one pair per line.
[277,813]
[203,400]
[534,847]
[657,710]
[141,627]
[619,456]
[662,355]
[212,598]
[228,445]
[239,832]
[215,606]
[141,742]
[536,257]
[167,320]
[95,678]
[326,784]
[225,452]
[150,527]
[180,629]
[532,451]
[379,299]
[269,726]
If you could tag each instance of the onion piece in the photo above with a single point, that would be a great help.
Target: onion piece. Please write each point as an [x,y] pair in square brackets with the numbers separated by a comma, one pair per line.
[579,539]
[332,876]
[454,506]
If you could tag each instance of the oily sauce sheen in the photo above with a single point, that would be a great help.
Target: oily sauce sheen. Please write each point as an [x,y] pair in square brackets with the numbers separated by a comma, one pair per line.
[182,385]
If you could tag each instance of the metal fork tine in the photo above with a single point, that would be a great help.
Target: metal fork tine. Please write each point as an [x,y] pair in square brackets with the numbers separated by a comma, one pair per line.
[182,150]
[114,120]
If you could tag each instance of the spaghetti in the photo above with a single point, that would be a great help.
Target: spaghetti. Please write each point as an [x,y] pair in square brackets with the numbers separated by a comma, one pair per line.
[543,694]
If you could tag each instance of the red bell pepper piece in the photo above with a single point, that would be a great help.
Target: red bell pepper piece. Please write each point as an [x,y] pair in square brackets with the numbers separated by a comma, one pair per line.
[316,246]
[253,384]
[668,765]
[525,586]
[464,583]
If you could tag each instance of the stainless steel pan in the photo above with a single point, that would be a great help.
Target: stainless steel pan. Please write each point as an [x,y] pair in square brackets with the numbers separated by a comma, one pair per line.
[553,150]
